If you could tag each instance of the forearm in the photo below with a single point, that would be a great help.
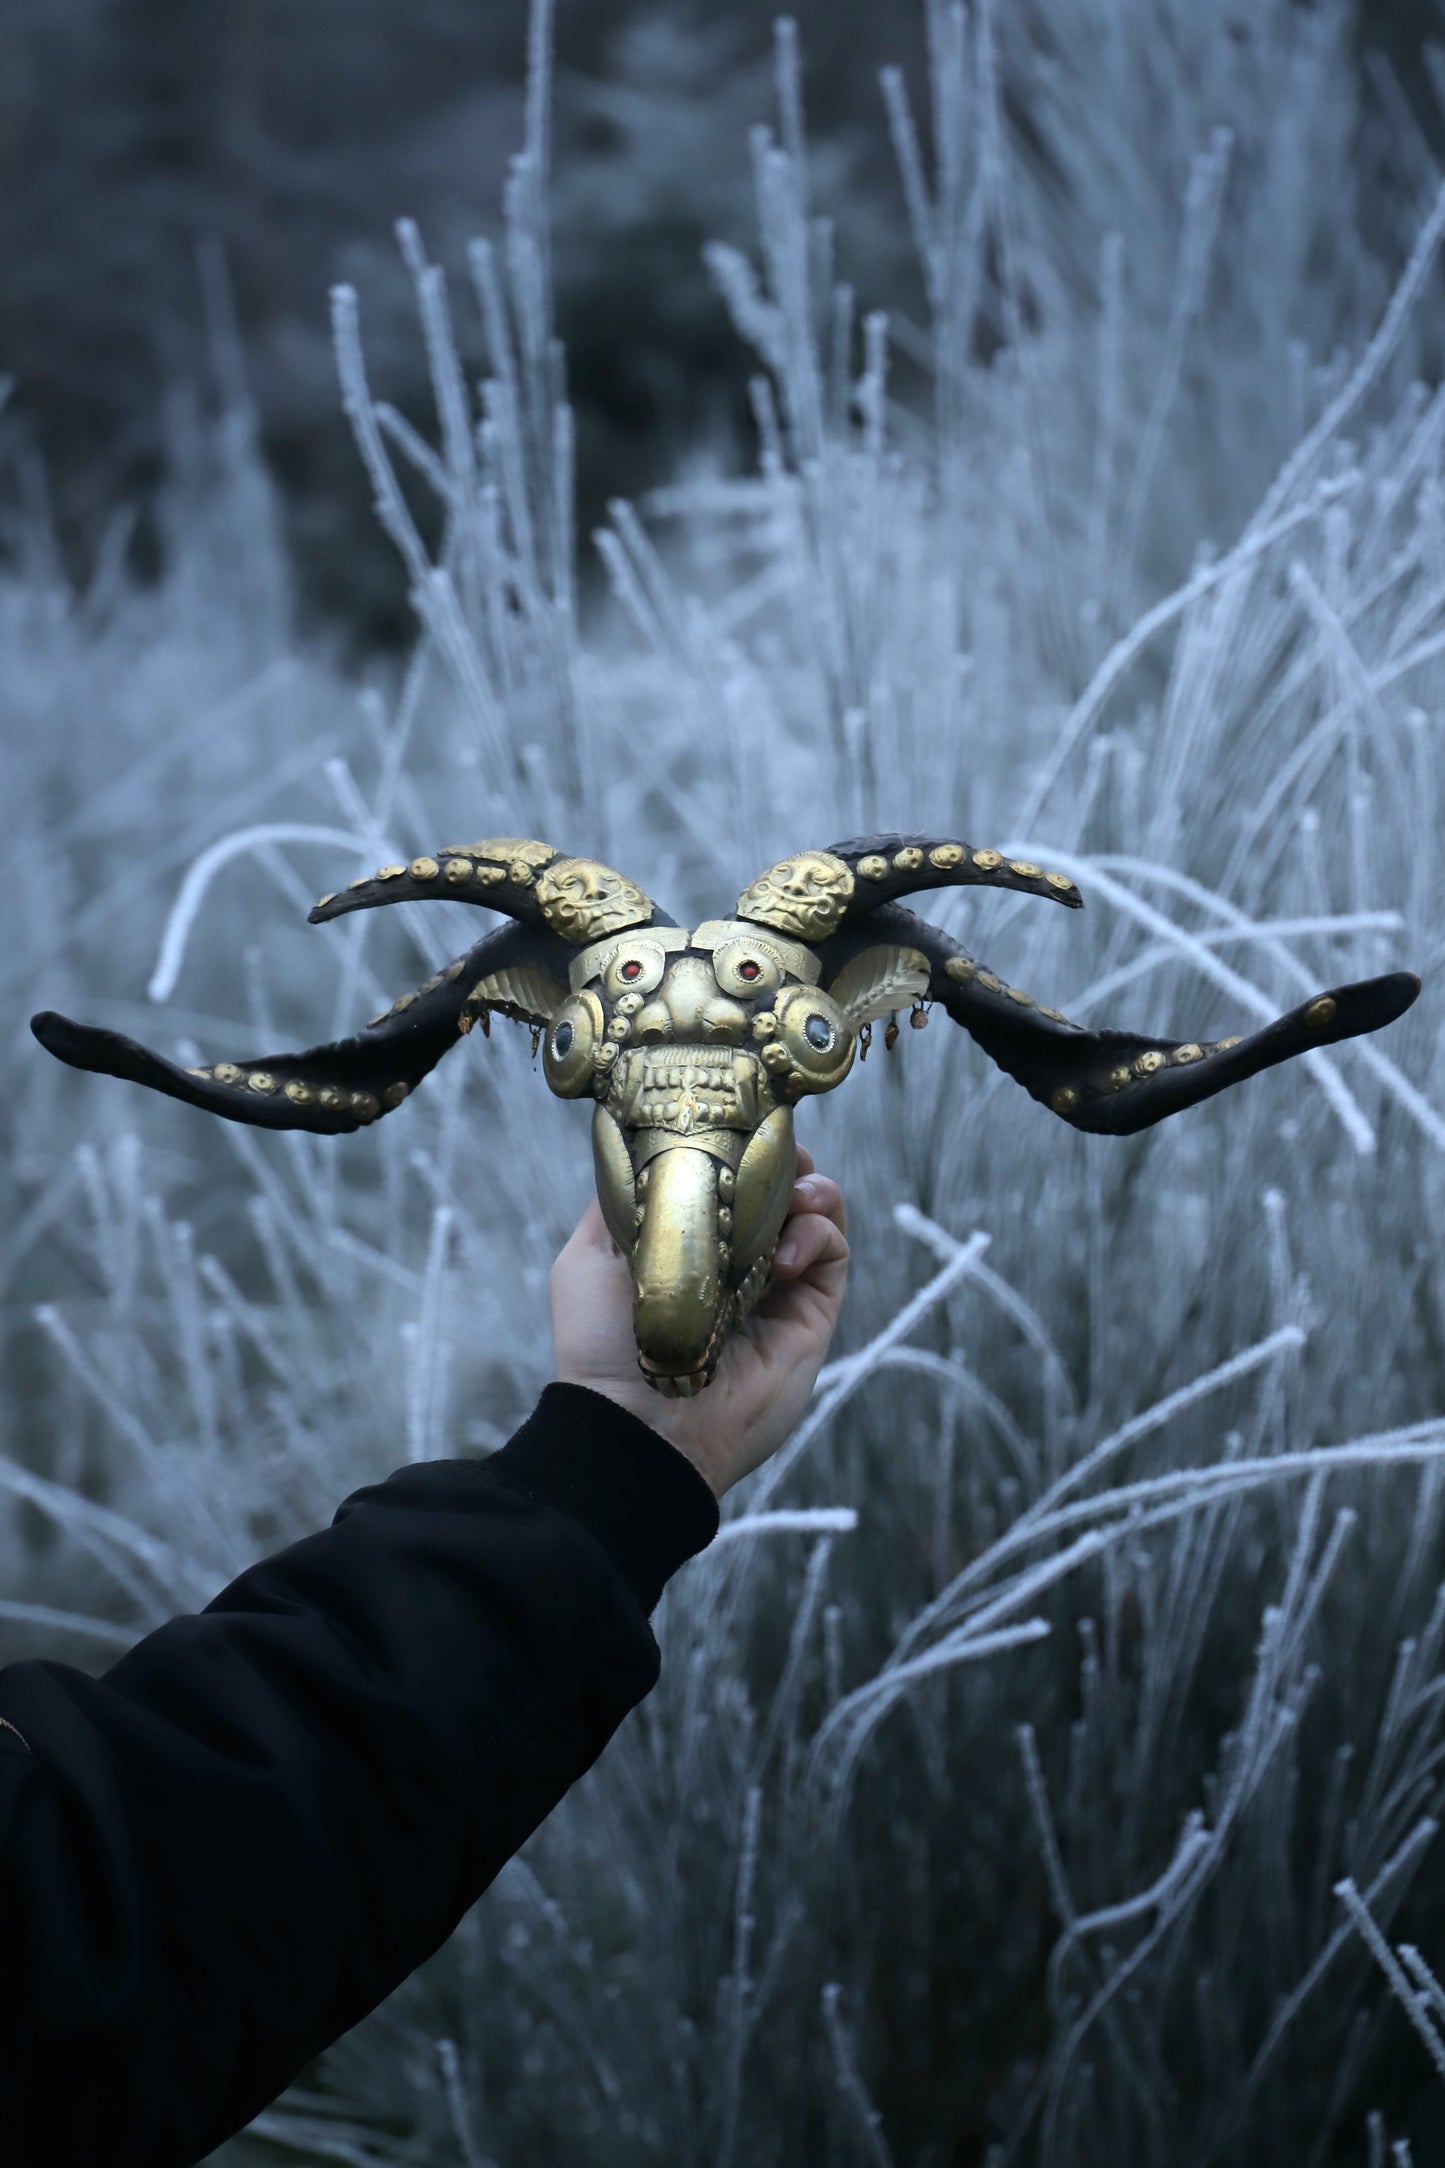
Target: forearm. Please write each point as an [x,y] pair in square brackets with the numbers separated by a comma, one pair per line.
[219,1856]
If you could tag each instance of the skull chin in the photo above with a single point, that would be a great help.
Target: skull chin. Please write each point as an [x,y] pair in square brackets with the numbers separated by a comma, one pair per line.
[680,1298]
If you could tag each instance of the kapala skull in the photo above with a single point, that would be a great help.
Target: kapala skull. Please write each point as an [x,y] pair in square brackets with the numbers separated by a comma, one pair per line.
[695,1045]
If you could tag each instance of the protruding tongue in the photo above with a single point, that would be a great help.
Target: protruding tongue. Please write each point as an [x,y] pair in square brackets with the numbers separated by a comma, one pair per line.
[676,1266]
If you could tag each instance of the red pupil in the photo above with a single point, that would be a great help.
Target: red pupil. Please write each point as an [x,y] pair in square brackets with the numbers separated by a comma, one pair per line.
[630,971]
[748,970]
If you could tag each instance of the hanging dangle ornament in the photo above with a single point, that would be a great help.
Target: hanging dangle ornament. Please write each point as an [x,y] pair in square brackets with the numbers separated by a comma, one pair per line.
[695,1044]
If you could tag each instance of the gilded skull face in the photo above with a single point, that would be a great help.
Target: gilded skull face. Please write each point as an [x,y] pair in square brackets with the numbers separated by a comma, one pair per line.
[583,900]
[805,895]
[696,1046]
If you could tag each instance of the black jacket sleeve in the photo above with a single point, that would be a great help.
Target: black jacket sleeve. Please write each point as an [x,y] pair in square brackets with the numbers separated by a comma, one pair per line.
[222,1853]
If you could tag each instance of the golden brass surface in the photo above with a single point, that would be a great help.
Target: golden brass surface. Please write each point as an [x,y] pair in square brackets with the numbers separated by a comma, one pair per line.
[616,1191]
[764,1183]
[583,900]
[574,1039]
[879,980]
[677,1284]
[806,894]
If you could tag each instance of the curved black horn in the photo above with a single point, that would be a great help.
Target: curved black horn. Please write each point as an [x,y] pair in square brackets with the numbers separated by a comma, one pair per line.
[334,1089]
[578,899]
[1111,1083]
[813,893]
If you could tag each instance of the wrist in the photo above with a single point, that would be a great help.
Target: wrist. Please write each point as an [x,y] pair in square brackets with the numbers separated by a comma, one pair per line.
[650,1407]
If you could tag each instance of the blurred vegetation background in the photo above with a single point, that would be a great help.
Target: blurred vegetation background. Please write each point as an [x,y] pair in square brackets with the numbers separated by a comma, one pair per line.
[289,134]
[1120,544]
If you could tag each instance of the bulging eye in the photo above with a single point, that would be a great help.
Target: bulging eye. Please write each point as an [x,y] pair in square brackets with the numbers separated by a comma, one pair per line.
[746,970]
[636,968]
[820,1042]
[573,1037]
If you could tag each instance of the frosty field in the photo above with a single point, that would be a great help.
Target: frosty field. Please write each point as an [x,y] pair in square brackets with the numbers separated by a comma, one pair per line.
[1049,1755]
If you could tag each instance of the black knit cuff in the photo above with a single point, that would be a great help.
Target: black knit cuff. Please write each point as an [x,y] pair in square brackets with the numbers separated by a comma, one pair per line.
[643,1500]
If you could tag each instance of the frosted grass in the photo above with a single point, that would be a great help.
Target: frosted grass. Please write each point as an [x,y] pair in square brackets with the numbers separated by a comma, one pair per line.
[1004,1814]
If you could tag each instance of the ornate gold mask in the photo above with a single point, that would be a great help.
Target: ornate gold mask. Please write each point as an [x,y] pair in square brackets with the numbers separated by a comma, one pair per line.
[696,1045]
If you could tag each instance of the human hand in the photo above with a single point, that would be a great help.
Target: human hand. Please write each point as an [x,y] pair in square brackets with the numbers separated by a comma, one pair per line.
[768,1366]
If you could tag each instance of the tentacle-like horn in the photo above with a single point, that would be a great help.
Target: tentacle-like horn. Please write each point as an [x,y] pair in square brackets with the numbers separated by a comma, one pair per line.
[1110,1083]
[814,893]
[337,1088]
[578,899]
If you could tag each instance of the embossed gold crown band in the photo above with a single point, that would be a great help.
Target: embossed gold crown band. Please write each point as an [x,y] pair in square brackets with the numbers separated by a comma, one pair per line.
[591,962]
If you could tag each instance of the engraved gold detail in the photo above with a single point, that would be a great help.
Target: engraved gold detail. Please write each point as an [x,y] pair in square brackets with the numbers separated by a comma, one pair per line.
[1016,993]
[1188,1052]
[993,983]
[961,967]
[988,859]
[908,860]
[873,867]
[1322,1011]
[394,1094]
[1064,1100]
[458,869]
[302,1094]
[424,869]
[228,1073]
[1058,880]
[945,856]
[261,1080]
[1024,866]
[389,873]
[806,894]
[1223,1043]
[583,900]
[1055,1016]
[1146,1064]
[1118,1078]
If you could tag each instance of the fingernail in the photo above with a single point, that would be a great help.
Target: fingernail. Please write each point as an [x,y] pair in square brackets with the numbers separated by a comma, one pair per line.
[787,1253]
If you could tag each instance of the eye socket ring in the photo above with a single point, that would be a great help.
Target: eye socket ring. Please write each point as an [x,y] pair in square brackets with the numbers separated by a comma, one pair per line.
[573,1037]
[636,967]
[819,1039]
[746,969]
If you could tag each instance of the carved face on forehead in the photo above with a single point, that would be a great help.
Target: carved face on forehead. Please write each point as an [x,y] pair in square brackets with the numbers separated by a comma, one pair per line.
[807,894]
